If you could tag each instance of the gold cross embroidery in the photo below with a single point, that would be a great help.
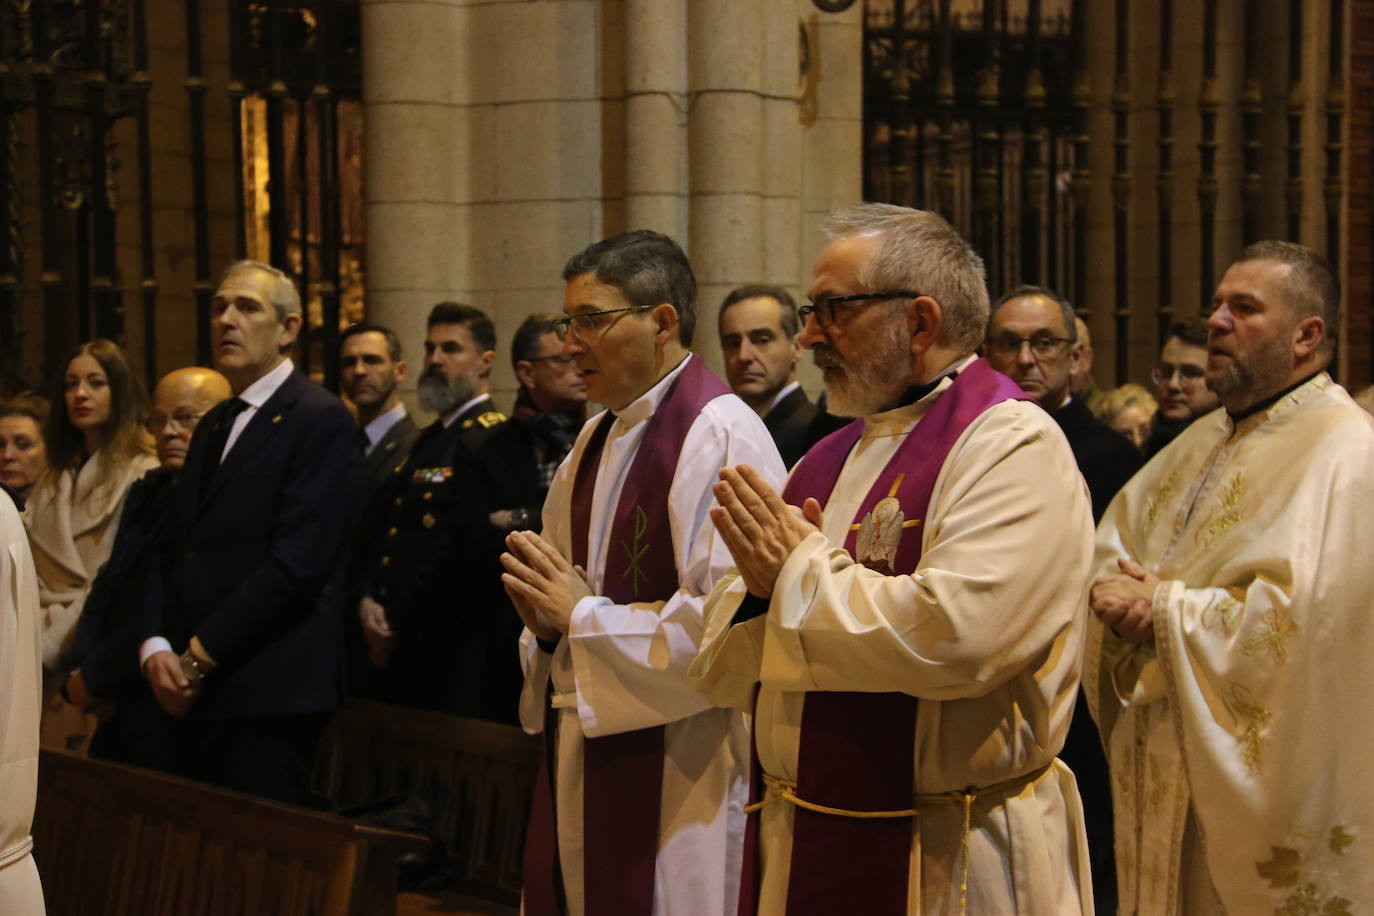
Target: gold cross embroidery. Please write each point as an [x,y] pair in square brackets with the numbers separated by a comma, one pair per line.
[1277,630]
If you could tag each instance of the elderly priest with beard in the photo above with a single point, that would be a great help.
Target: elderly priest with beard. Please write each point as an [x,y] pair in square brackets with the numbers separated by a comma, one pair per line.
[908,616]
[1234,597]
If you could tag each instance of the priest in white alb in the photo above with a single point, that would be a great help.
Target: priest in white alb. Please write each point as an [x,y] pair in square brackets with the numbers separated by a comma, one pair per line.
[640,808]
[1230,674]
[908,618]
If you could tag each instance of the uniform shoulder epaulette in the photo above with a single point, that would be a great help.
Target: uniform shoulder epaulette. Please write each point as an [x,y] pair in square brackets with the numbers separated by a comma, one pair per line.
[485,420]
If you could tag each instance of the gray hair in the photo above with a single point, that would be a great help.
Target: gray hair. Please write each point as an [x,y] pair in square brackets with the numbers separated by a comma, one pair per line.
[285,298]
[1311,287]
[1026,289]
[920,251]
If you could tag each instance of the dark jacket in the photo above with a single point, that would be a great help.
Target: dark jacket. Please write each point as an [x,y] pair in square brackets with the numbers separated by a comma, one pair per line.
[251,542]
[109,631]
[434,572]
[1106,458]
[796,424]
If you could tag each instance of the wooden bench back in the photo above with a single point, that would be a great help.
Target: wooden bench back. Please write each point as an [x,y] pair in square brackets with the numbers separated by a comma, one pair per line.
[120,841]
[485,771]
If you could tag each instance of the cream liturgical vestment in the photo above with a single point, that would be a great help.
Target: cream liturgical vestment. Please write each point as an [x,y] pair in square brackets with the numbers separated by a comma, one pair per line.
[20,892]
[1238,739]
[623,666]
[986,634]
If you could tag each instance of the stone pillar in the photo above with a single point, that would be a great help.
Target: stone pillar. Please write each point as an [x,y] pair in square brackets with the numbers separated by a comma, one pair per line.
[502,137]
[831,169]
[725,149]
[484,158]
[655,144]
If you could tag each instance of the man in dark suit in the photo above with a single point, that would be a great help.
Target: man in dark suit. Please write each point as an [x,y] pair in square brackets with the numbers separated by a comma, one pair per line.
[758,337]
[258,522]
[1033,340]
[425,597]
[103,659]
[371,368]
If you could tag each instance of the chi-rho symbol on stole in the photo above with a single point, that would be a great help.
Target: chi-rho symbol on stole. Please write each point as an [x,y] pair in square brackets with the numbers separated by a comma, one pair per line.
[635,550]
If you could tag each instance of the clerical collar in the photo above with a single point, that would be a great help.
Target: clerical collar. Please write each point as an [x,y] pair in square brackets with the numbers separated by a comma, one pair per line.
[1270,401]
[915,392]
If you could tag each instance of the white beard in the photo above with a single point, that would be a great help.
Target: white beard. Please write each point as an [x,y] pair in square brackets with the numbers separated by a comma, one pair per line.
[872,385]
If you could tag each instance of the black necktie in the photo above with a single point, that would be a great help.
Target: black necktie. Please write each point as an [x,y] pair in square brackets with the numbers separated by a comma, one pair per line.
[363,444]
[219,436]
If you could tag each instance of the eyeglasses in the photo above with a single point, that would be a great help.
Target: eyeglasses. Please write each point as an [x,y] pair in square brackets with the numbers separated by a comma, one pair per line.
[183,420]
[824,307]
[1189,376]
[591,323]
[1043,346]
[559,360]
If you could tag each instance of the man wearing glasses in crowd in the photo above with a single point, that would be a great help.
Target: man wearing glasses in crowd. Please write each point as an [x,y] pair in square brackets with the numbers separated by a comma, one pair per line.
[1033,339]
[908,617]
[516,463]
[639,808]
[103,659]
[1179,382]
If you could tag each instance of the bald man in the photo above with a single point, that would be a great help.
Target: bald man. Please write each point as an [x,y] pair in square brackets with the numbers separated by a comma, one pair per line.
[103,659]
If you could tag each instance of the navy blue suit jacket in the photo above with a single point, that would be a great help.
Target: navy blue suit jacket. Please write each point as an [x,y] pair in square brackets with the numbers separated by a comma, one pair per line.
[252,542]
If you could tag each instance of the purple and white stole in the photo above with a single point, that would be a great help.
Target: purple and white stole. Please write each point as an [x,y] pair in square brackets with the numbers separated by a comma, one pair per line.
[857,750]
[623,774]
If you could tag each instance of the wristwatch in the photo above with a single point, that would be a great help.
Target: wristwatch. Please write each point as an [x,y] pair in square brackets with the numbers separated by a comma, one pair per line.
[191,669]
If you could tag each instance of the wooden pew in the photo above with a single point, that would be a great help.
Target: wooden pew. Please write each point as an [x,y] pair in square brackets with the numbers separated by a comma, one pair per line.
[119,841]
[485,770]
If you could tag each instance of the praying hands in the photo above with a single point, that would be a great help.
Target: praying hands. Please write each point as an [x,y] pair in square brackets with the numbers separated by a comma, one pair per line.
[1125,601]
[759,529]
[543,585]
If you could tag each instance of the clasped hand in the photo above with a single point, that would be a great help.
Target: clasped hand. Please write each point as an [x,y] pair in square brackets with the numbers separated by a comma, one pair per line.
[758,528]
[542,584]
[1125,601]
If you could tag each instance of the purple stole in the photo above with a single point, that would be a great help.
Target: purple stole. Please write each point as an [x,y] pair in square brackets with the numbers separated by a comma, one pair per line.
[623,774]
[857,750]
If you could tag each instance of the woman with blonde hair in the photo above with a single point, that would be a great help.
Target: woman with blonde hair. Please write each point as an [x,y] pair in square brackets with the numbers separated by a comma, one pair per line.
[96,448]
[1129,410]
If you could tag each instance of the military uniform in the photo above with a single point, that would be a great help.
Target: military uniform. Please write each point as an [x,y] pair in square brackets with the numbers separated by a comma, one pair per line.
[427,575]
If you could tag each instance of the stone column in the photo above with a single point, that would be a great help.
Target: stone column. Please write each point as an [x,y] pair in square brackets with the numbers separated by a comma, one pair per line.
[831,171]
[655,139]
[744,148]
[484,165]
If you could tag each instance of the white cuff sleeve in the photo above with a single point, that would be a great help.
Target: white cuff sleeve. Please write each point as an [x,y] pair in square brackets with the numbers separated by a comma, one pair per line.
[151,646]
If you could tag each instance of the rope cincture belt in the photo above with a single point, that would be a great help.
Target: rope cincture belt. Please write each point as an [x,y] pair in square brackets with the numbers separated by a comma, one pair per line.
[779,789]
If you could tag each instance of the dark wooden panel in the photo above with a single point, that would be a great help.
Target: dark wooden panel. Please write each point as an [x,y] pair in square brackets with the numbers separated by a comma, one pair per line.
[485,770]
[120,841]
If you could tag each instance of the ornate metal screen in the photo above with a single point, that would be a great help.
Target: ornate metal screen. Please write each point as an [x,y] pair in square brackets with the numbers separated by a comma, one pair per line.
[1059,138]
[114,158]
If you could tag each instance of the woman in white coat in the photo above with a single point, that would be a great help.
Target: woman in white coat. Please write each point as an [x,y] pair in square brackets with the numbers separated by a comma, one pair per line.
[96,448]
